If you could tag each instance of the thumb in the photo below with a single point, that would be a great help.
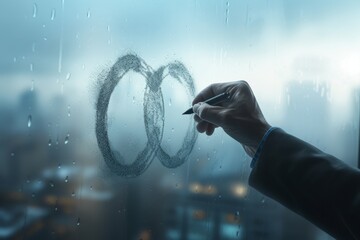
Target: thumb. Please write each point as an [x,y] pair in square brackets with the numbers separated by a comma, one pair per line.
[209,113]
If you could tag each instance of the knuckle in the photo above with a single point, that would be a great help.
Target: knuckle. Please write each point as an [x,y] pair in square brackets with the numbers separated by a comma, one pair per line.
[244,82]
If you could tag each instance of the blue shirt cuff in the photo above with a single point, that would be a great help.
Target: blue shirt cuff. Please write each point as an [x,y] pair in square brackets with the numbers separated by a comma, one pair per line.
[260,147]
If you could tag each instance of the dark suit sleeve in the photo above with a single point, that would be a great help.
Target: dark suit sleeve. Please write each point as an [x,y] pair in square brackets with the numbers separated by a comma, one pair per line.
[311,183]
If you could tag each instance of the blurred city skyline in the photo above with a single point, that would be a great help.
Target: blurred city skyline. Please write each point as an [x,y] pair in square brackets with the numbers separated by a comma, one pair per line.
[300,57]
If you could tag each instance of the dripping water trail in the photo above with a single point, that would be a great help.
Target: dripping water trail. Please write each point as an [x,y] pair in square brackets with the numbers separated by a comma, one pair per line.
[61,36]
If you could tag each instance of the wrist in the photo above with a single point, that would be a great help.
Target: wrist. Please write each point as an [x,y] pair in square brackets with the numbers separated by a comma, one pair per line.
[259,133]
[257,136]
[260,147]
[262,130]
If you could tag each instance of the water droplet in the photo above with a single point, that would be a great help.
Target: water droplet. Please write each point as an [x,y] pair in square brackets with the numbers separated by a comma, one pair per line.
[52,15]
[68,76]
[78,222]
[67,139]
[69,108]
[170,102]
[34,10]
[91,188]
[263,200]
[59,165]
[29,120]
[67,179]
[56,209]
[88,14]
[73,162]
[49,142]
[288,99]
[32,85]
[12,154]
[173,174]
[227,12]
[108,28]
[52,184]
[73,194]
[14,59]
[133,99]
[172,129]
[31,67]
[219,196]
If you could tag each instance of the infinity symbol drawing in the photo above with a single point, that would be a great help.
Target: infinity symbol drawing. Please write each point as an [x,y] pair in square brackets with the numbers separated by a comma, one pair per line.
[153,116]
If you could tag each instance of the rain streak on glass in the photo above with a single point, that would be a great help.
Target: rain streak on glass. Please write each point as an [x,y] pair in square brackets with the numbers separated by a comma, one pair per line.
[32,85]
[67,179]
[227,12]
[67,139]
[52,15]
[34,10]
[29,121]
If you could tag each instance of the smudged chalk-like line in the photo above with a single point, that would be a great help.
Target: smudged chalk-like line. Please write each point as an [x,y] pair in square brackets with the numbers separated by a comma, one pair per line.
[153,116]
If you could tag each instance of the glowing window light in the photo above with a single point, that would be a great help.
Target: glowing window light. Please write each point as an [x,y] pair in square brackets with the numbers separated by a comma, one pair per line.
[239,190]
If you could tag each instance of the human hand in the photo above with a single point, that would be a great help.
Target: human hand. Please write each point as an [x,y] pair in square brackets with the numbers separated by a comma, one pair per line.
[240,116]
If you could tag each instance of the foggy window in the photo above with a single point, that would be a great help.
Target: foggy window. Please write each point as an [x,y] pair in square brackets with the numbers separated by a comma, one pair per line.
[72,71]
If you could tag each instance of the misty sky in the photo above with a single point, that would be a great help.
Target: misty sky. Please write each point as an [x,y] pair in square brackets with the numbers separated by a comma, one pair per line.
[58,48]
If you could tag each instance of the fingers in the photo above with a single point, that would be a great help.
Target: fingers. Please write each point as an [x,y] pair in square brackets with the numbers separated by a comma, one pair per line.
[206,127]
[210,130]
[208,113]
[202,126]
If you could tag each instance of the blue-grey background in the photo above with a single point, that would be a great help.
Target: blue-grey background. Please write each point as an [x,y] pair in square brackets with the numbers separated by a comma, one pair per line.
[301,58]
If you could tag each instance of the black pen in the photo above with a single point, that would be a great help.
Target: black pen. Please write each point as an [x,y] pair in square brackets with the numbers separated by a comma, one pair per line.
[212,101]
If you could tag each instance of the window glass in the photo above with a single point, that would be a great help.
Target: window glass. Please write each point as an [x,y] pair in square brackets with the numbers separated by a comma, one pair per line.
[300,57]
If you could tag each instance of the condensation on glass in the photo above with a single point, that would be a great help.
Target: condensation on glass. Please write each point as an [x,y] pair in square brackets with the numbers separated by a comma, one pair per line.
[299,57]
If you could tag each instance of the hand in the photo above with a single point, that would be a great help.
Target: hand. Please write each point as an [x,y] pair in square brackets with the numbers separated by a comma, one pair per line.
[240,116]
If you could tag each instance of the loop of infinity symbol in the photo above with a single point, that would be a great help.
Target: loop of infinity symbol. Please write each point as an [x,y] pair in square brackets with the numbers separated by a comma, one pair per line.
[154,114]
